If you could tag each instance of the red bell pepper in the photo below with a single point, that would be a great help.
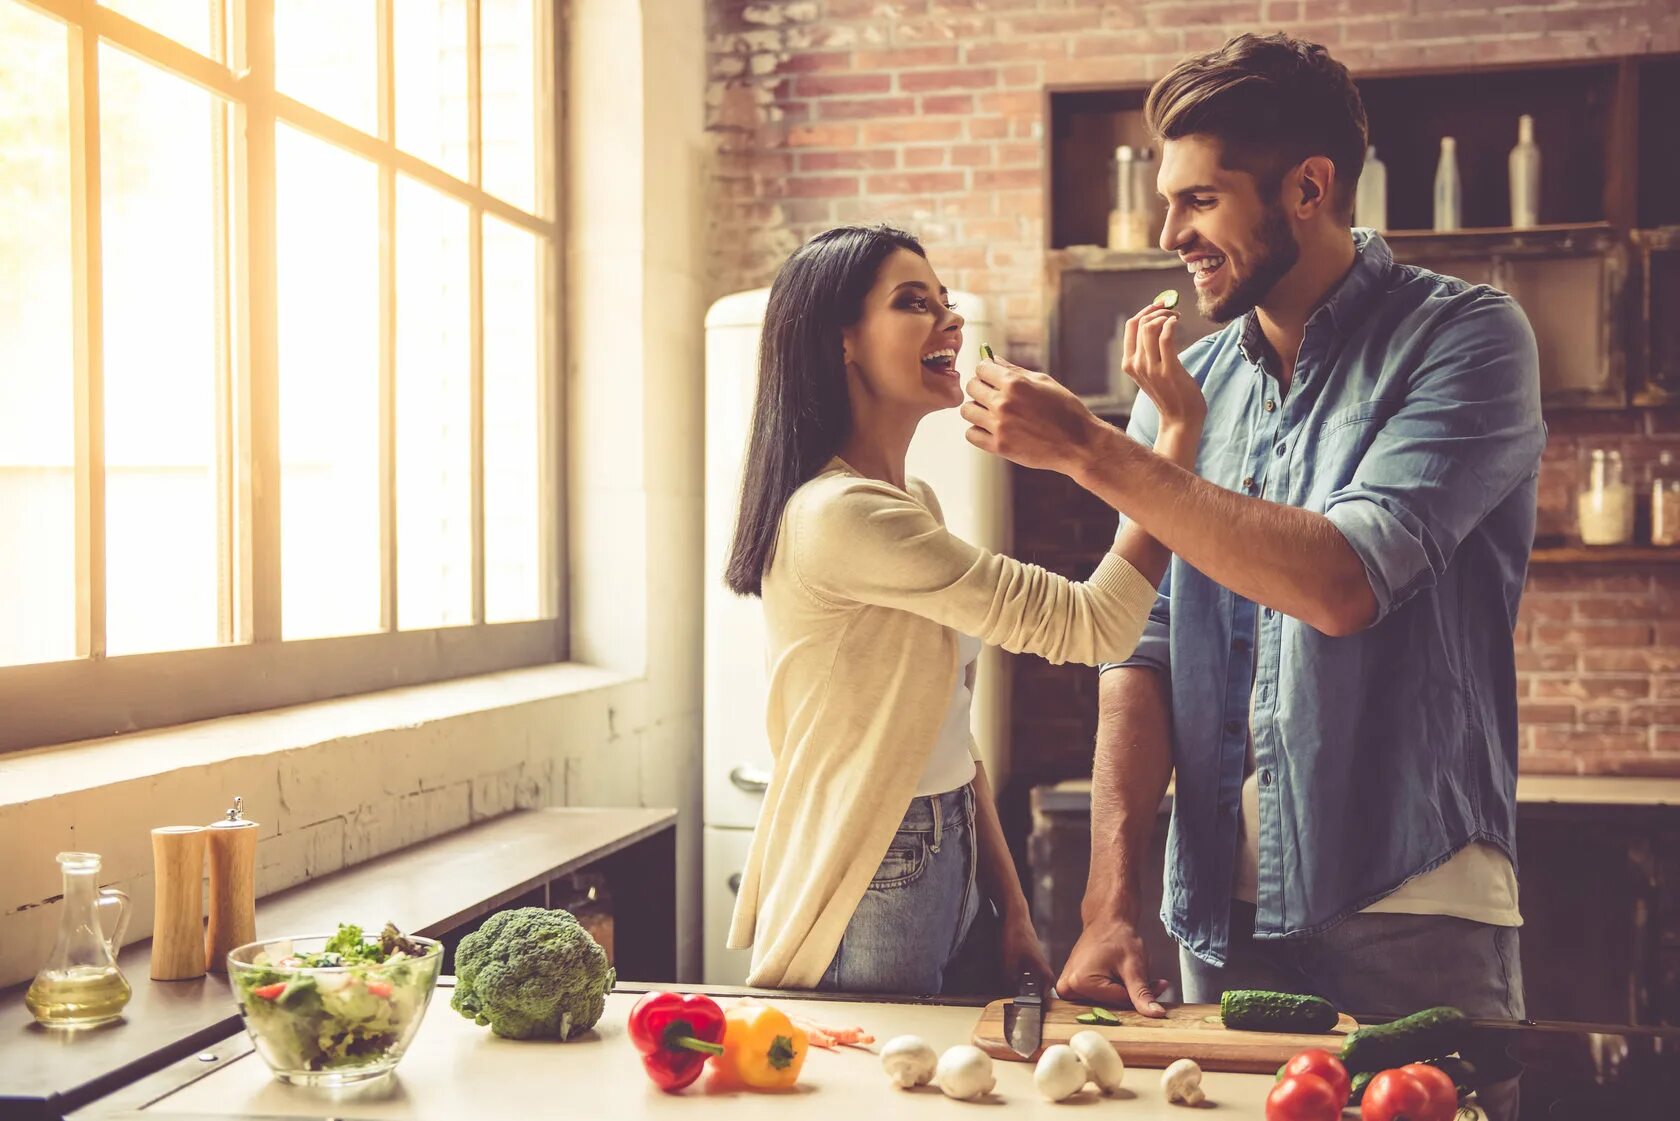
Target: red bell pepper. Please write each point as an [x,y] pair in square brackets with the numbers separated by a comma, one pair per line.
[676,1034]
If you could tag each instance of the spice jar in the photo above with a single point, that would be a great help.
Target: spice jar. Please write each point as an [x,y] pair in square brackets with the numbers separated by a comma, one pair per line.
[1665,501]
[1604,500]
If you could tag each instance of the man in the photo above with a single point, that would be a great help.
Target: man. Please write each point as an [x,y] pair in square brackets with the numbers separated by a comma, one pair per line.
[1329,667]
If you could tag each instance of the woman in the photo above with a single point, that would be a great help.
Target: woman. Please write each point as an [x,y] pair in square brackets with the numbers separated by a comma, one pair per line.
[878,821]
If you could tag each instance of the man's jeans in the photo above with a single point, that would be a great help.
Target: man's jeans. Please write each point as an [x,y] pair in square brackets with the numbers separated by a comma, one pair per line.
[1379,965]
[907,930]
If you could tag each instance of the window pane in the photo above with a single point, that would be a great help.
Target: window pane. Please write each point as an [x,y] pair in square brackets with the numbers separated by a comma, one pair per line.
[434,411]
[431,74]
[189,22]
[160,357]
[328,225]
[326,55]
[37,372]
[160,204]
[508,33]
[512,403]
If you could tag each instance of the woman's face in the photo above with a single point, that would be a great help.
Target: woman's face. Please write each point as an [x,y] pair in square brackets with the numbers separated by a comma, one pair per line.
[903,349]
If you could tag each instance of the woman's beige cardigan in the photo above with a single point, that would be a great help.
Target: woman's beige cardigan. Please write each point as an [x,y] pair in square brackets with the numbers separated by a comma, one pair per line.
[862,602]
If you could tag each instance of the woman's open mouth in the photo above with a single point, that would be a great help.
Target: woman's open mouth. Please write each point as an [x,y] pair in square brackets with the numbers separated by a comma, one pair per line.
[941,362]
[1203,270]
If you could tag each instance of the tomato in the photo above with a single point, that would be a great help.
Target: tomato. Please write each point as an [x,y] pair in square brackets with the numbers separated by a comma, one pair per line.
[383,988]
[1326,1066]
[1303,1097]
[269,992]
[1397,1095]
[1443,1094]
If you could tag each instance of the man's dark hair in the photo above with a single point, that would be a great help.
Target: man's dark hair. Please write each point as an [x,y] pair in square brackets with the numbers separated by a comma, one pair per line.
[1271,101]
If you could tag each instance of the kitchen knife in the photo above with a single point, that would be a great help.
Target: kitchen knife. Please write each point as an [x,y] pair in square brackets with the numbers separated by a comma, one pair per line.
[1023,1018]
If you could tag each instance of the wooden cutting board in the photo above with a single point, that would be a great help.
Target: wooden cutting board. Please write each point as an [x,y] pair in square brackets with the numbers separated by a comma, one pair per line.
[1190,1031]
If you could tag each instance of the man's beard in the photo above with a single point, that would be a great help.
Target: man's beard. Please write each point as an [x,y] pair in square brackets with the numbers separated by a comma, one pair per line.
[1278,252]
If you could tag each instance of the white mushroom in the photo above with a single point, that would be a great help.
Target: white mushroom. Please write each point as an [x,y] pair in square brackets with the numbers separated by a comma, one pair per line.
[1182,1083]
[1061,1073]
[1107,1069]
[909,1061]
[965,1073]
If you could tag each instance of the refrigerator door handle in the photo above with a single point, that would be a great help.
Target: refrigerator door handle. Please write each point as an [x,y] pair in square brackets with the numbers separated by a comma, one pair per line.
[735,883]
[750,780]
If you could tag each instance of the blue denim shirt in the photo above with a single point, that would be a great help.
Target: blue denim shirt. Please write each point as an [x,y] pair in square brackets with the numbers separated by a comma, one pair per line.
[1413,423]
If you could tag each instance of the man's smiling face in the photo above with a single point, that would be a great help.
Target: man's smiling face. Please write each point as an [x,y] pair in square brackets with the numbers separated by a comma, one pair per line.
[1236,240]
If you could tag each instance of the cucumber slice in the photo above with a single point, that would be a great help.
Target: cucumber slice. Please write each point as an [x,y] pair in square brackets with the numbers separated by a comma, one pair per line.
[1168,299]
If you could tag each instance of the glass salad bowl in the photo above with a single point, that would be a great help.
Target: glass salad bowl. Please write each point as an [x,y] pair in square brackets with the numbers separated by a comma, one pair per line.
[332,1010]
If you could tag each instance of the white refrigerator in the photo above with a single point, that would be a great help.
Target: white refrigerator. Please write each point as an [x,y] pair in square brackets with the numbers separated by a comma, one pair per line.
[973,489]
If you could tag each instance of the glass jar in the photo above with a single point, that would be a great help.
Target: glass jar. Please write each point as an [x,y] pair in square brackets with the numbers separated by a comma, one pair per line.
[1604,500]
[1665,501]
[1134,183]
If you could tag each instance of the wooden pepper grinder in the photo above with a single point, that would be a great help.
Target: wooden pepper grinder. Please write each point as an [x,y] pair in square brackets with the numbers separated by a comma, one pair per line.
[178,902]
[233,886]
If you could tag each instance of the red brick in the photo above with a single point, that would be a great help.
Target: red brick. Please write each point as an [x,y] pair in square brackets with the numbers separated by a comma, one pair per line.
[861,159]
[1019,104]
[1598,741]
[1539,609]
[1016,155]
[1120,68]
[811,61]
[925,157]
[1636,765]
[1339,9]
[1604,716]
[944,29]
[988,128]
[1552,661]
[865,108]
[911,132]
[992,229]
[1599,635]
[1654,714]
[1008,180]
[822,136]
[947,104]
[828,85]
[927,183]
[1128,43]
[1599,608]
[822,186]
[1529,714]
[1650,660]
[1280,11]
[1049,23]
[1549,763]
[907,57]
[1367,31]
[1593,688]
[1667,739]
[1044,50]
[973,155]
[925,81]
[1022,74]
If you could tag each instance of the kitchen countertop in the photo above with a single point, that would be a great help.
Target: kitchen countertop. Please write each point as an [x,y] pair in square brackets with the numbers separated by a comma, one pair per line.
[426,889]
[457,1070]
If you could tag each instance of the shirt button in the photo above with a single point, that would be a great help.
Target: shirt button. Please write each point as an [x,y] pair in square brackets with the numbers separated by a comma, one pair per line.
[1232,727]
[1248,483]
[1271,406]
[1265,778]
[1267,612]
[1280,449]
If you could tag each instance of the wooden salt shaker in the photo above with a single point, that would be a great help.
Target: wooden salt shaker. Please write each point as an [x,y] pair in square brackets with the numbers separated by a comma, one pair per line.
[178,902]
[233,887]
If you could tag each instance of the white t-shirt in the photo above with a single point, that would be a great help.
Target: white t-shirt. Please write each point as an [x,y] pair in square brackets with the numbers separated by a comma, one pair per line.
[951,765]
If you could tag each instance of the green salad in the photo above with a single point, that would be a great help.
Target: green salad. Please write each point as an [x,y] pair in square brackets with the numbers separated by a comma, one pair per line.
[345,1005]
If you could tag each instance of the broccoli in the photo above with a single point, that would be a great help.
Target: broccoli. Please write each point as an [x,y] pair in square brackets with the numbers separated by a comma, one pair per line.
[532,973]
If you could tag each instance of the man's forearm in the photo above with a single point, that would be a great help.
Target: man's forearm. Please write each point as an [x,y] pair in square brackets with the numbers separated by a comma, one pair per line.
[1128,779]
[1291,560]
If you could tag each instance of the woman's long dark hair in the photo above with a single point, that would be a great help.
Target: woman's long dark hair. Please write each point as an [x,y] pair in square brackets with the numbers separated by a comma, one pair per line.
[802,413]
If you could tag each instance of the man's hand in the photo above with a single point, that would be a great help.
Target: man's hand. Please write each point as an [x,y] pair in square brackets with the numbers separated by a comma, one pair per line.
[1029,418]
[1109,966]
[1150,358]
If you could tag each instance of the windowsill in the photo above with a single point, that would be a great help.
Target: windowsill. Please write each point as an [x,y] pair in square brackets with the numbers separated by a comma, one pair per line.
[29,776]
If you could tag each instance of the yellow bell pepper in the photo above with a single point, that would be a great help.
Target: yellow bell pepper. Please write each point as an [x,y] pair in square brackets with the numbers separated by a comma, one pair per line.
[762,1050]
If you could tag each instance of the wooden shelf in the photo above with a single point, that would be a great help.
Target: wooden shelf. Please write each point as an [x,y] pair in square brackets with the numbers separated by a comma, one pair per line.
[1605,555]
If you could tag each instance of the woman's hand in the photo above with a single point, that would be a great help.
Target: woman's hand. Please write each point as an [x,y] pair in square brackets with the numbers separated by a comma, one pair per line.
[1021,950]
[1151,359]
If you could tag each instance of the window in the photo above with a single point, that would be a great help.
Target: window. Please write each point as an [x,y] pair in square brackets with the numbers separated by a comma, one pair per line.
[279,353]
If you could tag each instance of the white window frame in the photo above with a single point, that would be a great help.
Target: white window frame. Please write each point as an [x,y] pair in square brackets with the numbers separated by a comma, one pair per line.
[96,695]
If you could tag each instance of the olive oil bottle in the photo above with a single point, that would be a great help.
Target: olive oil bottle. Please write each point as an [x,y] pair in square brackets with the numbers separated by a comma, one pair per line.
[81,986]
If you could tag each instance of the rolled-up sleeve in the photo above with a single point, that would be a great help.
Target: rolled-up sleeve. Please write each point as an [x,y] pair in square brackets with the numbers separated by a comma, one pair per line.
[1469,432]
[1153,648]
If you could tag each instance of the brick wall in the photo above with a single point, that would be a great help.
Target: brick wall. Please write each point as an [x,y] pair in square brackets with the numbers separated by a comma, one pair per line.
[929,113]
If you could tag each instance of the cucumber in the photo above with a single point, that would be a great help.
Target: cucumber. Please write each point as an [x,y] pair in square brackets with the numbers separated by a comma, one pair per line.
[1417,1038]
[1356,1088]
[1167,299]
[1258,1010]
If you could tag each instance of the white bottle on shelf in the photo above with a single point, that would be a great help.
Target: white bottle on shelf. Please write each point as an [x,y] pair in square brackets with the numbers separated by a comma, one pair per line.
[1370,200]
[1448,195]
[1525,177]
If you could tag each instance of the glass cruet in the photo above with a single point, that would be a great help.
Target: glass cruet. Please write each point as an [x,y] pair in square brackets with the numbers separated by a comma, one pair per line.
[80,985]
